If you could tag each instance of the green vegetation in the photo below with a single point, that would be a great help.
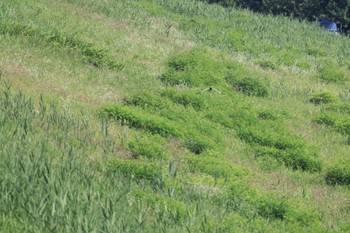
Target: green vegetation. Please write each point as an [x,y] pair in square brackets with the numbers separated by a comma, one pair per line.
[338,175]
[323,98]
[304,9]
[170,116]
[332,74]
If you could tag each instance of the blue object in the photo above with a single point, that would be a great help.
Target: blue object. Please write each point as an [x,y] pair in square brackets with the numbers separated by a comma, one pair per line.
[328,25]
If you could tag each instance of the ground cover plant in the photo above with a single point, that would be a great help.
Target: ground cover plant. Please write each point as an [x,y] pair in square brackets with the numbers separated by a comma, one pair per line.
[170,116]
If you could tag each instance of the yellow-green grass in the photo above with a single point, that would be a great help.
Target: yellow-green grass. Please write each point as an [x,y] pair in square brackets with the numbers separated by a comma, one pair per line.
[86,55]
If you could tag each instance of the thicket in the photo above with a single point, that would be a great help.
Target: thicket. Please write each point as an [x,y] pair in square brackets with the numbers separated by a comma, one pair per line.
[323,98]
[337,117]
[339,175]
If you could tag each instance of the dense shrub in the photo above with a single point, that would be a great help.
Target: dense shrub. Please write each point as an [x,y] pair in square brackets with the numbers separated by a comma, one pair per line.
[140,169]
[270,134]
[338,107]
[300,158]
[249,85]
[147,101]
[195,68]
[215,167]
[162,207]
[141,120]
[332,73]
[267,115]
[338,175]
[273,208]
[186,99]
[269,64]
[337,121]
[196,146]
[323,98]
[150,147]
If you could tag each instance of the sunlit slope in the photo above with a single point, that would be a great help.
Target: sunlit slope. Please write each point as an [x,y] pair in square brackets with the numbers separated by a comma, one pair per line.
[204,119]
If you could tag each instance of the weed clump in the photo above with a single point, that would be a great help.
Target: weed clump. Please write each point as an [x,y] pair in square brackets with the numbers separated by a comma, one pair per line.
[331,73]
[195,68]
[247,83]
[186,99]
[267,115]
[149,147]
[213,166]
[340,107]
[338,175]
[269,64]
[273,208]
[147,101]
[140,120]
[323,98]
[249,86]
[163,207]
[338,121]
[300,158]
[196,146]
[138,169]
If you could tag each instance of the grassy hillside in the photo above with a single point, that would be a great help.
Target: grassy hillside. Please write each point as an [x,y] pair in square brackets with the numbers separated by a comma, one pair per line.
[170,116]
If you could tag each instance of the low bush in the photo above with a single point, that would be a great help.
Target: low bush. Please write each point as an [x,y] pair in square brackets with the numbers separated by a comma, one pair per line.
[300,158]
[195,68]
[269,64]
[270,134]
[197,146]
[138,119]
[139,169]
[343,107]
[327,118]
[338,121]
[323,98]
[151,147]
[332,73]
[273,208]
[267,115]
[338,175]
[216,167]
[248,85]
[147,101]
[162,207]
[186,99]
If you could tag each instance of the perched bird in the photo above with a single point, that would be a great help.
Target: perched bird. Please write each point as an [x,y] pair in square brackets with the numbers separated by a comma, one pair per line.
[210,89]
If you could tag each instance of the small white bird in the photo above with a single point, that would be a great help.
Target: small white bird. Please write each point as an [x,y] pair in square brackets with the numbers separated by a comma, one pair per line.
[210,89]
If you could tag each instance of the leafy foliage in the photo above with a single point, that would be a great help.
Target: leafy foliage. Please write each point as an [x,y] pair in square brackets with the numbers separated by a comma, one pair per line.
[150,147]
[323,98]
[338,175]
[338,121]
[248,85]
[151,123]
[330,73]
[195,68]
